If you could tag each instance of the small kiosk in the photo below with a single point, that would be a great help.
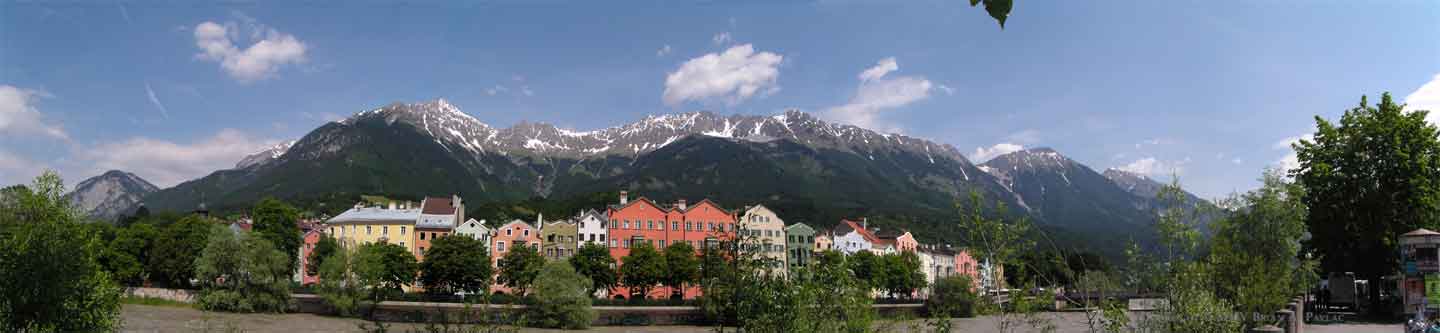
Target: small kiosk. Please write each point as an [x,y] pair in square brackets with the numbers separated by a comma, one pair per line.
[1420,268]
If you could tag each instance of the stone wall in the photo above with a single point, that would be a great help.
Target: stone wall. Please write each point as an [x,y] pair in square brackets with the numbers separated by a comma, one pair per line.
[178,295]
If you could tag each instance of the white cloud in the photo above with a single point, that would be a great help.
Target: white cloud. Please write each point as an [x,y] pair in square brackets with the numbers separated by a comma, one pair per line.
[948,91]
[664,51]
[983,154]
[1427,97]
[322,116]
[271,49]
[497,89]
[167,163]
[722,38]
[156,101]
[18,114]
[734,75]
[1291,160]
[15,169]
[878,93]
[1153,167]
[885,66]
[1027,136]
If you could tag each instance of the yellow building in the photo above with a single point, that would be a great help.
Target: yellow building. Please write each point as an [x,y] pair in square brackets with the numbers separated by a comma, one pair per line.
[364,225]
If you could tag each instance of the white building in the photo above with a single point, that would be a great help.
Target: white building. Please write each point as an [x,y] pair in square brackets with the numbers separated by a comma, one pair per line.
[475,229]
[591,228]
[851,237]
[761,224]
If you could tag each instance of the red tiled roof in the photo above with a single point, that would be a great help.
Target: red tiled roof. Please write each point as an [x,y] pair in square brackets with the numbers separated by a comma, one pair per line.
[852,225]
[437,206]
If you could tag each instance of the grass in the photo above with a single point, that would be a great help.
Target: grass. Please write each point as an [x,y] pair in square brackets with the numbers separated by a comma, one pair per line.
[154,301]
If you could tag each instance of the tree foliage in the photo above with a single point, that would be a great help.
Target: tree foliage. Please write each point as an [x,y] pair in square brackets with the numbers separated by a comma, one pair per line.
[242,273]
[324,248]
[127,253]
[1257,246]
[562,298]
[519,268]
[595,263]
[339,284]
[1368,179]
[275,222]
[952,296]
[384,268]
[50,275]
[642,269]
[456,263]
[902,274]
[682,267]
[172,260]
[992,240]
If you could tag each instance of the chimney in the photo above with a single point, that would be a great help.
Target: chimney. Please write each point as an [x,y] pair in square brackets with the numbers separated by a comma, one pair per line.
[681,204]
[624,197]
[865,223]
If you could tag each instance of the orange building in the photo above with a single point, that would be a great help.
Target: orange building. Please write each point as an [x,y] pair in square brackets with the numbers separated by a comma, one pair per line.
[438,217]
[642,220]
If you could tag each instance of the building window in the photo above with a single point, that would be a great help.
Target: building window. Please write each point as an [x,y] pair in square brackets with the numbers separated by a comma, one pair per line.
[689,226]
[422,250]
[662,243]
[612,243]
[385,230]
[402,230]
[500,246]
[651,226]
[627,224]
[674,225]
[527,232]
[627,243]
[422,236]
[710,226]
[367,230]
[507,232]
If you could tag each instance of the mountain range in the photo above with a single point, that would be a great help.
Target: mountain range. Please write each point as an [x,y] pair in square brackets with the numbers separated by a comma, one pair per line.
[811,170]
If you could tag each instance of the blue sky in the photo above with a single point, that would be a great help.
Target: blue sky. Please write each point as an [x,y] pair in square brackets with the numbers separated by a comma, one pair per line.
[1206,89]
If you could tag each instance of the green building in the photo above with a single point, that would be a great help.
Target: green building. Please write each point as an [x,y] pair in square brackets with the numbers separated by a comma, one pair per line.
[800,244]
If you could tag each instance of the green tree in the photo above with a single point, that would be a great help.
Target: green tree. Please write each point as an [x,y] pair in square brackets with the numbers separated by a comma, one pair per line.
[562,298]
[952,296]
[126,256]
[339,285]
[1178,222]
[992,240]
[1368,179]
[456,263]
[172,260]
[681,267]
[1259,243]
[519,268]
[384,269]
[868,268]
[324,248]
[594,262]
[642,269]
[50,275]
[902,274]
[275,222]
[242,273]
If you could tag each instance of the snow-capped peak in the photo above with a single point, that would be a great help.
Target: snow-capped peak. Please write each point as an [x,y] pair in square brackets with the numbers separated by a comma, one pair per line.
[266,155]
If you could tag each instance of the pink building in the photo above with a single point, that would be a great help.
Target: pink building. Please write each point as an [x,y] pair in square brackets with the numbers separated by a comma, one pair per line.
[507,238]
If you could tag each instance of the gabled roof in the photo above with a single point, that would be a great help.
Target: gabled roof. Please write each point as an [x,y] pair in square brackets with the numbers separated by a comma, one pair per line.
[846,226]
[892,234]
[437,206]
[799,226]
[637,201]
[477,223]
[521,222]
[688,208]
[590,213]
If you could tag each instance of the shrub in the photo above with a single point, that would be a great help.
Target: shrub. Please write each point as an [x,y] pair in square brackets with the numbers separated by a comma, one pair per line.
[242,273]
[562,298]
[50,277]
[338,284]
[953,296]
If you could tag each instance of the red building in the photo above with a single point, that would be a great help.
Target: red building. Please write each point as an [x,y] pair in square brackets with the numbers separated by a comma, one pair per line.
[642,220]
[507,238]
